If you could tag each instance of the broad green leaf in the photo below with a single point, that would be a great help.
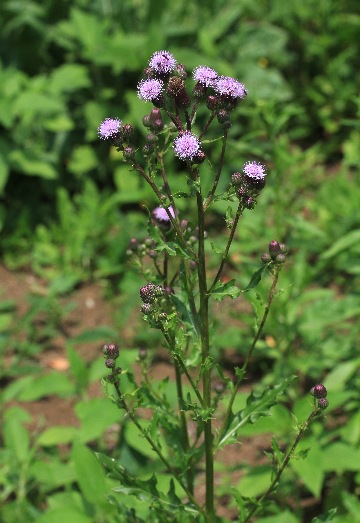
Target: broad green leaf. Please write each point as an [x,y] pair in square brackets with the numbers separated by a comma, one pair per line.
[52,474]
[16,437]
[82,160]
[57,436]
[350,239]
[61,514]
[284,517]
[96,415]
[78,368]
[340,457]
[54,383]
[256,481]
[310,470]
[90,474]
[29,163]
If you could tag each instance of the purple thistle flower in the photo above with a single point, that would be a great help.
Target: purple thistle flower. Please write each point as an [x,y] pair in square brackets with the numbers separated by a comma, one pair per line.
[254,170]
[161,215]
[229,87]
[186,145]
[205,75]
[109,128]
[150,89]
[162,62]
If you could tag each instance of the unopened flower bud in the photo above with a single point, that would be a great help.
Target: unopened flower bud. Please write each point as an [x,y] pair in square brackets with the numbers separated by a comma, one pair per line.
[152,138]
[266,258]
[319,391]
[111,350]
[280,258]
[180,71]
[162,316]
[274,249]
[133,244]
[158,291]
[199,91]
[129,153]
[199,157]
[142,353]
[147,293]
[222,116]
[146,120]
[249,203]
[237,179]
[110,363]
[212,102]
[147,308]
[148,149]
[323,403]
[128,131]
[283,248]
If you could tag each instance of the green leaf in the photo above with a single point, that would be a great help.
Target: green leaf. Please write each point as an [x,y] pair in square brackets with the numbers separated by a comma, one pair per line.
[96,415]
[181,302]
[347,241]
[16,437]
[310,470]
[33,387]
[340,457]
[256,481]
[255,278]
[257,406]
[78,368]
[328,517]
[29,163]
[221,290]
[90,475]
[65,513]
[57,436]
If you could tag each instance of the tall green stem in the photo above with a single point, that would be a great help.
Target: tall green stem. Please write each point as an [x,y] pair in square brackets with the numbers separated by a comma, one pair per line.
[205,352]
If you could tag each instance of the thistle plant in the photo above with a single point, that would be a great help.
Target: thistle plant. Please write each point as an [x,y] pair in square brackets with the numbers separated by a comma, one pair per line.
[180,283]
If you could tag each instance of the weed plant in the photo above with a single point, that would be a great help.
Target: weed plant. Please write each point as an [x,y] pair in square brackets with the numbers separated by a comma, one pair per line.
[177,298]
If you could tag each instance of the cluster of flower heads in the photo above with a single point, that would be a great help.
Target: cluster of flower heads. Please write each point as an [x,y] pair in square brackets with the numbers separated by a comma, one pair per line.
[153,303]
[249,183]
[164,86]
[276,253]
[319,392]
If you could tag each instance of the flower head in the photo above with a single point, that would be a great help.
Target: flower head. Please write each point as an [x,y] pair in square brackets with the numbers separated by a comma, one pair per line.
[205,75]
[109,128]
[161,215]
[150,89]
[229,87]
[319,391]
[186,145]
[162,62]
[254,170]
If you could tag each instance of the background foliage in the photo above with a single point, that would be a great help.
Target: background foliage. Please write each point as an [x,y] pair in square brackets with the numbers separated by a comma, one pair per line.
[69,206]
